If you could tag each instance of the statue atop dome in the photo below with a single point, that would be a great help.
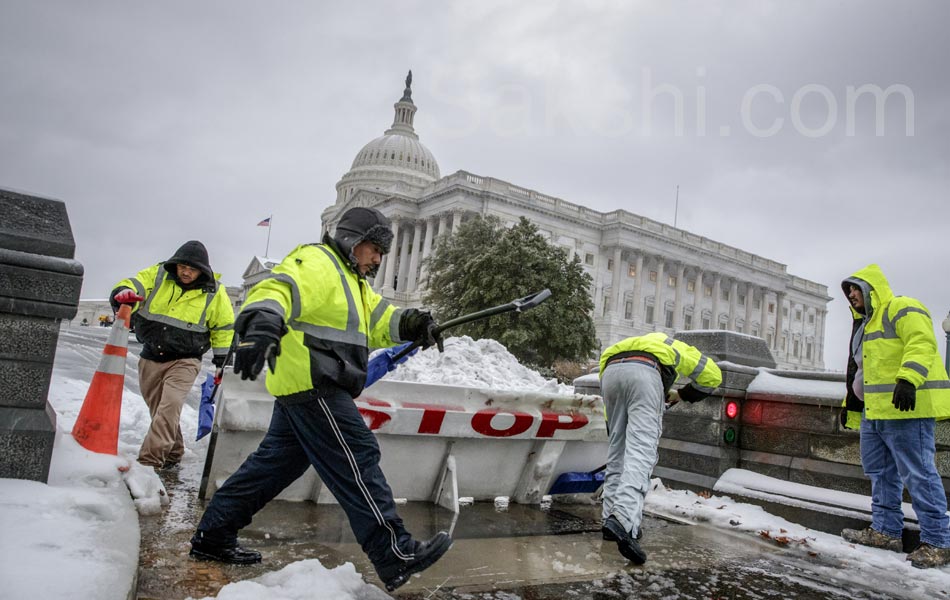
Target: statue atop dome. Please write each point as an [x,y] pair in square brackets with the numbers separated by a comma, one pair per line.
[407,93]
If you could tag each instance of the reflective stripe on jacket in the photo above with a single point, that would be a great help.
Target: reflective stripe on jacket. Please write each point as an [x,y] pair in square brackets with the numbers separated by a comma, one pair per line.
[898,343]
[332,316]
[177,323]
[683,358]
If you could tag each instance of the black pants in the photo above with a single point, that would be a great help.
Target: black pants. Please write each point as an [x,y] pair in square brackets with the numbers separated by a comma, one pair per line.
[330,434]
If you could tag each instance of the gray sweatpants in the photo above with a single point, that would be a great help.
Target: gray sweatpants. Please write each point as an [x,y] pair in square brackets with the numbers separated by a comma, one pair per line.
[633,396]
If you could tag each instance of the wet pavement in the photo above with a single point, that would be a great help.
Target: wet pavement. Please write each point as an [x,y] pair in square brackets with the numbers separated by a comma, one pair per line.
[520,552]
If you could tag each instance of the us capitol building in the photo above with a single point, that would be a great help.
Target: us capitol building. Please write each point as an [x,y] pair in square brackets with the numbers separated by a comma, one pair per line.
[647,276]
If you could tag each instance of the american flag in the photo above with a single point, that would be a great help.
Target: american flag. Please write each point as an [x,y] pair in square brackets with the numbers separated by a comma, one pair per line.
[264,223]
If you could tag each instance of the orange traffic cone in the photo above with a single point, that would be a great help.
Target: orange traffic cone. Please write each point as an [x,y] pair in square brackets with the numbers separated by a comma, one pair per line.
[97,427]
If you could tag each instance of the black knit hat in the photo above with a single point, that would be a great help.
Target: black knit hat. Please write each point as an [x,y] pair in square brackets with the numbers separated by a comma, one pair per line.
[360,224]
[194,254]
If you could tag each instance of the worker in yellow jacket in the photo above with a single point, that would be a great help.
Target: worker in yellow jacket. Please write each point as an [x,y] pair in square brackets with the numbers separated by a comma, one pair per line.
[311,322]
[897,388]
[637,375]
[180,311]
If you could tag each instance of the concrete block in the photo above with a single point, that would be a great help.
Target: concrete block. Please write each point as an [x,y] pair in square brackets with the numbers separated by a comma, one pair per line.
[26,442]
[35,225]
[730,346]
[769,439]
[835,448]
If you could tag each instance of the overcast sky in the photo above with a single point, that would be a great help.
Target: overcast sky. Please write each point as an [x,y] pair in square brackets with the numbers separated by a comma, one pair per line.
[159,122]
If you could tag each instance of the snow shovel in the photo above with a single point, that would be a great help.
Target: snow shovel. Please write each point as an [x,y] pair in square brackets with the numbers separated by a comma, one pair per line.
[579,483]
[519,305]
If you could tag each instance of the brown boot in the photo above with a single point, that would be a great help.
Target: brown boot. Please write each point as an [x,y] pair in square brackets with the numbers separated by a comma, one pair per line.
[873,538]
[927,556]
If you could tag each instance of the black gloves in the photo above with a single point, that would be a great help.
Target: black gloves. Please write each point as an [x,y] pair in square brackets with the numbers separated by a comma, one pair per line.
[691,394]
[259,342]
[419,326]
[905,395]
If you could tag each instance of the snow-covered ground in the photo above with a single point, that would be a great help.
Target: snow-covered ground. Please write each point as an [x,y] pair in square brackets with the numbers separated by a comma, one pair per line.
[77,536]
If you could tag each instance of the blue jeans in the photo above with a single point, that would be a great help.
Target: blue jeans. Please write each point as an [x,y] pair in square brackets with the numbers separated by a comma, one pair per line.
[330,434]
[633,397]
[897,453]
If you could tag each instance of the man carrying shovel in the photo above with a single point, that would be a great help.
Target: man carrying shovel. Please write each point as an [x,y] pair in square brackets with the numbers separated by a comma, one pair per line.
[636,375]
[312,321]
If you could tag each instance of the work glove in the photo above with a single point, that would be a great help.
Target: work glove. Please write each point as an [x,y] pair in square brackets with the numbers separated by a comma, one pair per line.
[259,343]
[383,362]
[218,374]
[905,396]
[419,326]
[127,296]
[691,394]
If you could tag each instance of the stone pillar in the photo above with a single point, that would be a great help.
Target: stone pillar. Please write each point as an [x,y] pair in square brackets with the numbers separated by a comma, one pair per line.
[779,298]
[615,295]
[443,223]
[733,303]
[456,221]
[659,310]
[637,287]
[678,298]
[426,251]
[717,294]
[414,258]
[820,335]
[764,315]
[390,275]
[402,278]
[749,302]
[698,291]
[39,287]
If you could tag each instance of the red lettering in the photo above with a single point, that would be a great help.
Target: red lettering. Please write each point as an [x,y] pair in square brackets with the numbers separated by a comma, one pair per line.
[433,415]
[551,422]
[481,422]
[375,418]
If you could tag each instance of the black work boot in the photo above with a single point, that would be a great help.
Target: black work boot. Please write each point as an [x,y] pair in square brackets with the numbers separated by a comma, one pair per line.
[425,555]
[610,537]
[203,549]
[626,544]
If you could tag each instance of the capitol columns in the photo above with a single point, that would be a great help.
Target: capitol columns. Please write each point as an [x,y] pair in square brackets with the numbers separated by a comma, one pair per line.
[733,304]
[777,341]
[426,250]
[764,315]
[749,301]
[659,307]
[414,258]
[402,279]
[443,223]
[615,296]
[717,294]
[637,287]
[389,274]
[678,298]
[698,289]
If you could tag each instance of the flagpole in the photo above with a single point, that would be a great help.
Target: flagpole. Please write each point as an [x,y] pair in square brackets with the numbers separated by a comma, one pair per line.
[270,221]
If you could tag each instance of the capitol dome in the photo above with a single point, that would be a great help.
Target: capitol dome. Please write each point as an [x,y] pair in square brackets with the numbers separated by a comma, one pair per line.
[396,157]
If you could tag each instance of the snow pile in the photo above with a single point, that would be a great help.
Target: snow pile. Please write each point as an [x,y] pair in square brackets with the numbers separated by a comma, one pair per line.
[304,580]
[769,383]
[479,364]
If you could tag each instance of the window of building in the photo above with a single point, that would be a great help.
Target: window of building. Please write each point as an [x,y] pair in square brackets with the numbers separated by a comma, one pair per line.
[610,264]
[628,310]
[653,276]
[705,322]
[808,351]
[723,324]
[724,294]
[589,259]
[669,318]
[771,308]
[768,340]
[632,271]
[741,299]
[671,281]
[690,285]
[707,291]
[785,311]
[755,331]
[798,314]
[758,304]
[649,315]
[687,321]
[606,305]
[795,348]
[784,344]
[811,319]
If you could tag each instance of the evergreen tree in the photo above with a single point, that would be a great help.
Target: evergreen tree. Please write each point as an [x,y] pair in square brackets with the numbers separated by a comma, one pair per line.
[483,264]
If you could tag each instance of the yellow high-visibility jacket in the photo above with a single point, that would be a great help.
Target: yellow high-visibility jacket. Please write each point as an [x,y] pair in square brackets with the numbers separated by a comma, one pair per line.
[332,315]
[679,356]
[176,323]
[898,343]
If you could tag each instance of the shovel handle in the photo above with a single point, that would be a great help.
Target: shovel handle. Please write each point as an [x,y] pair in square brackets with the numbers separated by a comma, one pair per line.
[519,305]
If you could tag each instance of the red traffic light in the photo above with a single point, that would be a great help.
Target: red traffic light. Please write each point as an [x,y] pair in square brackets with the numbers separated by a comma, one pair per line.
[732,409]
